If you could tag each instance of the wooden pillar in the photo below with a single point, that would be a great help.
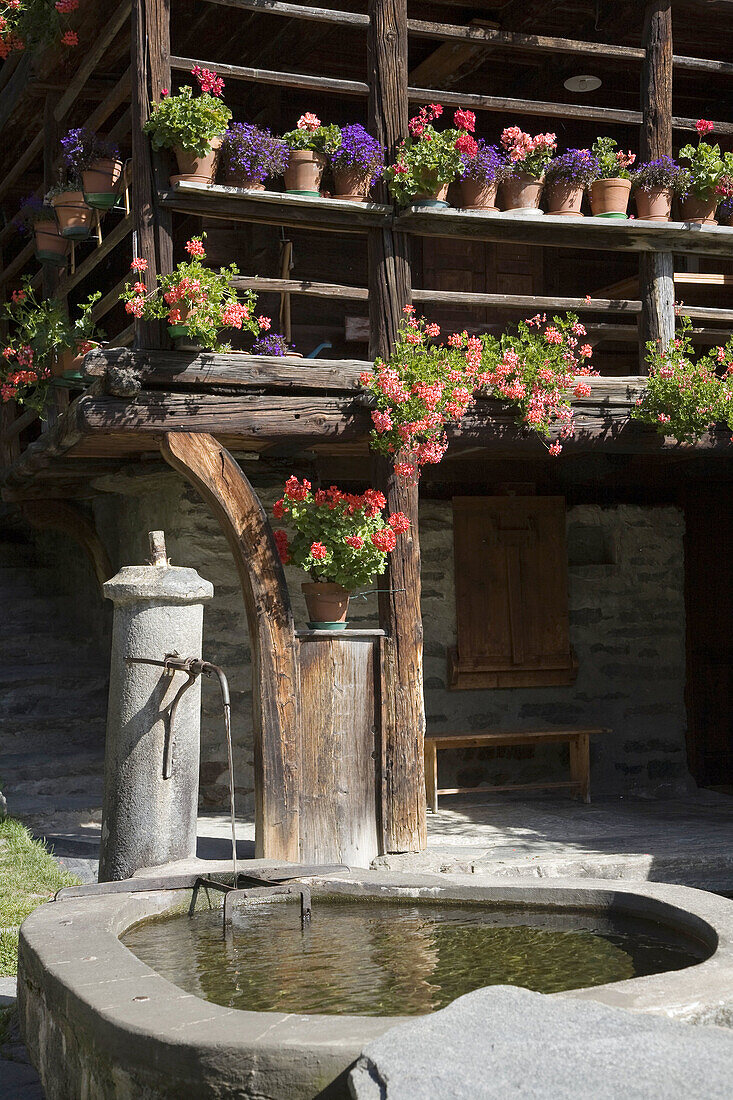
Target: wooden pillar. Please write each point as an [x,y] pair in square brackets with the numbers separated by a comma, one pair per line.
[656,269]
[275,680]
[403,712]
[150,71]
[51,136]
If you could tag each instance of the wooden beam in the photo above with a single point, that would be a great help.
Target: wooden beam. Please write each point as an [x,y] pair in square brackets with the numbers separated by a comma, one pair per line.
[275,682]
[656,269]
[113,238]
[16,86]
[57,515]
[453,60]
[31,153]
[17,264]
[403,710]
[116,96]
[304,81]
[91,58]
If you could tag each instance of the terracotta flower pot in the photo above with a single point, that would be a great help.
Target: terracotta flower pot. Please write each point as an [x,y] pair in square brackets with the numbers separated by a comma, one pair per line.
[304,172]
[73,215]
[699,211]
[326,602]
[436,195]
[653,204]
[70,360]
[177,331]
[352,183]
[478,195]
[195,169]
[100,182]
[564,197]
[521,192]
[51,248]
[237,178]
[610,196]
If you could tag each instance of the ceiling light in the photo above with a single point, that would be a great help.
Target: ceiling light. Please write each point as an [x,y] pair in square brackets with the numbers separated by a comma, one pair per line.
[584,83]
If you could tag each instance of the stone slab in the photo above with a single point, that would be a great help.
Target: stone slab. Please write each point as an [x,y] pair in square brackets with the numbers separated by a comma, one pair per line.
[504,1041]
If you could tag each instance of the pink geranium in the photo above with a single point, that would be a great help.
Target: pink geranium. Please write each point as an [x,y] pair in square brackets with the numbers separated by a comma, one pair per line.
[309,122]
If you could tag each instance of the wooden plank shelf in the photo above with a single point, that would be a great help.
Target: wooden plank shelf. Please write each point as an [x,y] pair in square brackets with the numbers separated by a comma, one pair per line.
[276,208]
[601,234]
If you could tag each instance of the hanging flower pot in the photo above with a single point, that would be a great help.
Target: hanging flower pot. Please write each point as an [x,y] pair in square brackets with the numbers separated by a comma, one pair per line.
[521,192]
[51,248]
[304,172]
[609,198]
[73,215]
[193,168]
[101,181]
[564,197]
[699,211]
[352,183]
[653,204]
[326,602]
[478,194]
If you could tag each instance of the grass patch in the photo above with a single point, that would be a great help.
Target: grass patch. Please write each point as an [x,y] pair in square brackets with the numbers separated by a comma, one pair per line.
[28,876]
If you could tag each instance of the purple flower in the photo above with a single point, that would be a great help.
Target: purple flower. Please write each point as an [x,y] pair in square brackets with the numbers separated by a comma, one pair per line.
[271,343]
[578,166]
[359,151]
[252,153]
[662,172]
[489,165]
[82,147]
[32,210]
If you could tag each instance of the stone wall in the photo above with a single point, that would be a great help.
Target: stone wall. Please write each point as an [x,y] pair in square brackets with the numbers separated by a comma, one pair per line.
[627,630]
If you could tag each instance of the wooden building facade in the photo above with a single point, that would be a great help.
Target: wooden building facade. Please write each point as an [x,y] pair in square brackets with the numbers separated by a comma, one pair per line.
[338,274]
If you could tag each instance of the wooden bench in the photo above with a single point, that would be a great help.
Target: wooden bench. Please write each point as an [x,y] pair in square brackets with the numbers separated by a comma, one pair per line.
[578,739]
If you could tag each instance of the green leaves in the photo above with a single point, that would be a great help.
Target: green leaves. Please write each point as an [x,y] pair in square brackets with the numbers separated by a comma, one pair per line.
[324,139]
[188,122]
[707,168]
[424,164]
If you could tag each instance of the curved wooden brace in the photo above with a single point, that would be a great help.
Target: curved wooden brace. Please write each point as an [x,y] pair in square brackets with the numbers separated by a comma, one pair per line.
[58,515]
[221,483]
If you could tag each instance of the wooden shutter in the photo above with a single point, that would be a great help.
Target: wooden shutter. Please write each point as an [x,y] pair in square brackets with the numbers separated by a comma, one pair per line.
[511,593]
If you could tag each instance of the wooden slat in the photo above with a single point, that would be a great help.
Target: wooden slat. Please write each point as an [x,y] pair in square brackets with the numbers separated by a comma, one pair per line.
[16,265]
[420,28]
[33,150]
[569,784]
[509,737]
[304,81]
[19,424]
[116,96]
[113,238]
[92,57]
[109,301]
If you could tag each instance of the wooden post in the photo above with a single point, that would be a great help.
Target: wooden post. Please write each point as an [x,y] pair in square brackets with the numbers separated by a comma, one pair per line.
[403,711]
[275,678]
[150,69]
[656,269]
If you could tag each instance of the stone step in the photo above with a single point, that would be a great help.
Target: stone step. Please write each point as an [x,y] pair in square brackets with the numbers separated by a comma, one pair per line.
[71,672]
[21,767]
[88,788]
[41,648]
[30,807]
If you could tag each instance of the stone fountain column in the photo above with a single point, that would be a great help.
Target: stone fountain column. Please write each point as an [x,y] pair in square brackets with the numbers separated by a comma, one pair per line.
[151,774]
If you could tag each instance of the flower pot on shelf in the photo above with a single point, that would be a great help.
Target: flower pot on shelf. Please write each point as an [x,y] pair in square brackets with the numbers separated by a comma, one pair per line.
[434,195]
[326,602]
[68,362]
[195,169]
[653,204]
[352,184]
[699,211]
[522,193]
[564,197]
[100,183]
[73,215]
[304,172]
[238,179]
[51,248]
[478,195]
[609,198]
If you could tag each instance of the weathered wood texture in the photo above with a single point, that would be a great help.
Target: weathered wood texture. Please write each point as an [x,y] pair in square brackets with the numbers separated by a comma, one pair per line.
[656,270]
[225,489]
[91,57]
[58,515]
[403,789]
[339,737]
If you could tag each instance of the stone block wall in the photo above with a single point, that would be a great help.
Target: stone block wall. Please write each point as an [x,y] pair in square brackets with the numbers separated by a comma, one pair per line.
[627,629]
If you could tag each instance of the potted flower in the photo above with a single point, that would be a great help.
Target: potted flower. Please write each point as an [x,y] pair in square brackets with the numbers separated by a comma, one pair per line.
[686,396]
[195,300]
[192,126]
[36,217]
[252,155]
[83,335]
[482,174]
[529,157]
[357,163]
[309,144]
[654,183]
[707,180]
[725,211]
[341,539]
[566,179]
[429,160]
[96,162]
[73,216]
[609,192]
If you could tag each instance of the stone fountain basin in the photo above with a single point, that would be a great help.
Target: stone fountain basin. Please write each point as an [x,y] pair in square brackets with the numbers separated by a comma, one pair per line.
[101,1024]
